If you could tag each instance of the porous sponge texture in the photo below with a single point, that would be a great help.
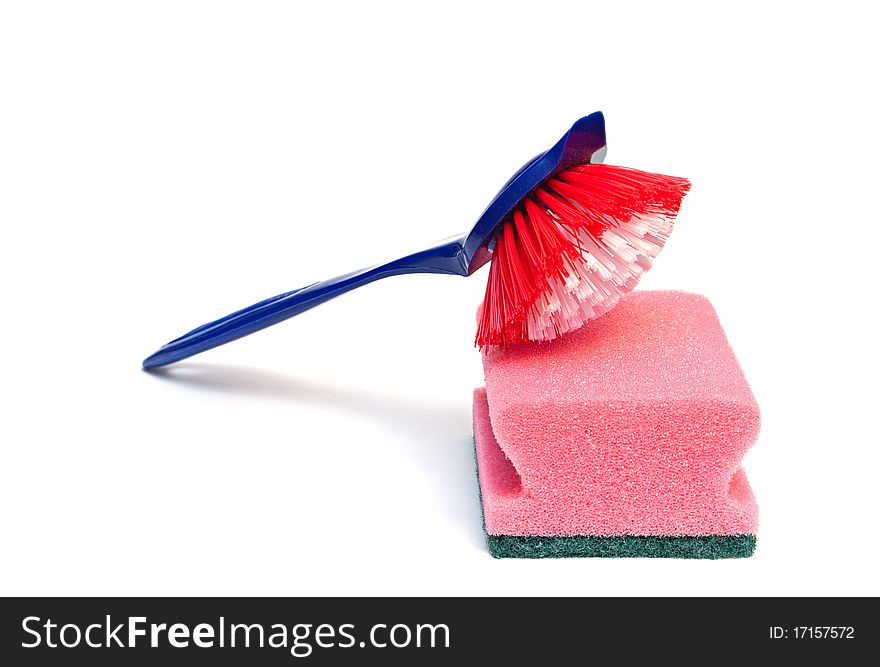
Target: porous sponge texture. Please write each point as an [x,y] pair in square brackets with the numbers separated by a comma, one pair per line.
[635,424]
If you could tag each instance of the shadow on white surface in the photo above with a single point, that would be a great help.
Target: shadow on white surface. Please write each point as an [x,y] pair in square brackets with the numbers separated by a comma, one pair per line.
[441,434]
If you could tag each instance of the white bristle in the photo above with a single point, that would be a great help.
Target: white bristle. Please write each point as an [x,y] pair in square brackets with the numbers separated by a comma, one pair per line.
[609,268]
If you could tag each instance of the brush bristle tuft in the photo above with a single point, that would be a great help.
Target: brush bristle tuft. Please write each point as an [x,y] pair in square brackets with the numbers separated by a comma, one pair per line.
[572,248]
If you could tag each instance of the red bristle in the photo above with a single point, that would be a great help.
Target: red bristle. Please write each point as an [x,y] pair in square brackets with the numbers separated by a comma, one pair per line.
[529,246]
[547,237]
[492,315]
[572,217]
[515,274]
[614,202]
[665,191]
[554,241]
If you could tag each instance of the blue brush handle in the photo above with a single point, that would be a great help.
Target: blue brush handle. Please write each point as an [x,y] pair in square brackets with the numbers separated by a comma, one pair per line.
[443,258]
[584,142]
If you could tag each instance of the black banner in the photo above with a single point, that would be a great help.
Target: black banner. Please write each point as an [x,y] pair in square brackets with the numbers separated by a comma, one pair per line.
[333,631]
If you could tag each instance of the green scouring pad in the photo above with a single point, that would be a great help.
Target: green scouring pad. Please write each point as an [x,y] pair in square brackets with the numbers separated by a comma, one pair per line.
[621,546]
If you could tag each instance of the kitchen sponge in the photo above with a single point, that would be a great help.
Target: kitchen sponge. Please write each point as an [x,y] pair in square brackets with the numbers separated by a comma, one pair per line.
[623,438]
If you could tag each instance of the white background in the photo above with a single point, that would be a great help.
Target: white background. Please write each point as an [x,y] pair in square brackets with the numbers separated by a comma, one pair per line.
[164,163]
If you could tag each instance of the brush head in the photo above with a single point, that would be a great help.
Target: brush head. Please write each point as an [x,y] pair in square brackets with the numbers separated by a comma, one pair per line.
[572,247]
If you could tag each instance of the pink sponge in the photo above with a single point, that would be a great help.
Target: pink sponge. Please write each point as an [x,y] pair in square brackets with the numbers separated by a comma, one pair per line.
[633,425]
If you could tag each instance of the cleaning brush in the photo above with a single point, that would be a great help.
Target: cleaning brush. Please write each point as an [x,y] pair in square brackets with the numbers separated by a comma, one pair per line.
[566,236]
